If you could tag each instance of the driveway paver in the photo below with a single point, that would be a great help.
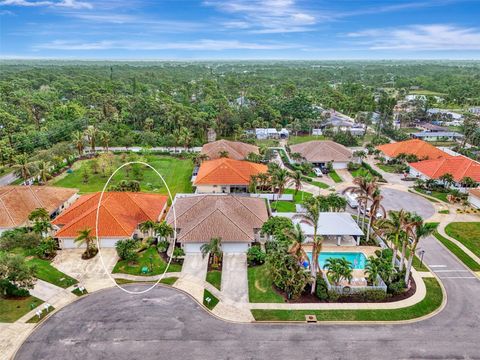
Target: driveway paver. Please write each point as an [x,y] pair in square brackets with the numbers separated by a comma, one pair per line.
[234,277]
[195,265]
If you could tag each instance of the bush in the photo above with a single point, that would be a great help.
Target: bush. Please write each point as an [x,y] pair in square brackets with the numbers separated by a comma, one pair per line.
[397,287]
[163,246]
[10,290]
[178,252]
[351,166]
[374,295]
[127,249]
[255,256]
[333,296]
[19,238]
[47,249]
[322,289]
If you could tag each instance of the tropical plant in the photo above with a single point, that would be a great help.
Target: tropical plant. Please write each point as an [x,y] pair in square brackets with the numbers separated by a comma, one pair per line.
[163,230]
[297,240]
[40,220]
[127,249]
[46,249]
[256,256]
[23,166]
[43,171]
[214,248]
[91,133]
[15,273]
[147,227]
[392,228]
[364,187]
[78,139]
[279,179]
[85,237]
[296,180]
[338,269]
[105,138]
[447,179]
[420,231]
[177,252]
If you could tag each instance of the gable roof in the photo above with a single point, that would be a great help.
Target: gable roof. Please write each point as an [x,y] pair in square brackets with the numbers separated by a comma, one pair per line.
[322,151]
[17,202]
[419,148]
[236,150]
[458,166]
[475,192]
[225,171]
[119,215]
[232,218]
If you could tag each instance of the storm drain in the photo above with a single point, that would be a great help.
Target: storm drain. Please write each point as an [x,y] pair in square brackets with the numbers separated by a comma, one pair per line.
[310,318]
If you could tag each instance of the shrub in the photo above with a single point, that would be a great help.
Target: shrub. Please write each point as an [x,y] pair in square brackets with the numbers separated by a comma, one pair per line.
[255,256]
[163,246]
[177,252]
[127,249]
[351,166]
[10,290]
[47,249]
[374,295]
[397,287]
[322,289]
[19,238]
[333,296]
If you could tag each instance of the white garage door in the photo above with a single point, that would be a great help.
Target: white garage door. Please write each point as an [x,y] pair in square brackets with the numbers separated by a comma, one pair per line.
[192,248]
[70,243]
[340,165]
[235,247]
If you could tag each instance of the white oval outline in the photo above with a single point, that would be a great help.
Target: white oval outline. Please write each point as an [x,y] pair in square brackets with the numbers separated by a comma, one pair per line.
[96,227]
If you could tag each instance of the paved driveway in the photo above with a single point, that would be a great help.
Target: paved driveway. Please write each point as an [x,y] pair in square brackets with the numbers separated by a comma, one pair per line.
[195,265]
[44,290]
[234,277]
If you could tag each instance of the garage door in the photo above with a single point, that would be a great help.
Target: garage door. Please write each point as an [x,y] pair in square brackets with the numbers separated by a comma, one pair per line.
[192,248]
[340,165]
[70,243]
[235,247]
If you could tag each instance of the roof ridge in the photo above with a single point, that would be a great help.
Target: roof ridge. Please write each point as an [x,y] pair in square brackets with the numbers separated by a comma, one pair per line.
[113,216]
[199,221]
[35,196]
[188,208]
[129,195]
[238,200]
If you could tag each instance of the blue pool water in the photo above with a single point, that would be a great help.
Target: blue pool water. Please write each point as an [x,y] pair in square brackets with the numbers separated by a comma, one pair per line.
[356,258]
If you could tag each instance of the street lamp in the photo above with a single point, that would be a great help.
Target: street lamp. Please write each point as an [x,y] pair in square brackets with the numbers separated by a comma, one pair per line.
[422,252]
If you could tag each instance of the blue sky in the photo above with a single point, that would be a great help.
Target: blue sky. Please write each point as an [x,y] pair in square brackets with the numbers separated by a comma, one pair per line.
[240,29]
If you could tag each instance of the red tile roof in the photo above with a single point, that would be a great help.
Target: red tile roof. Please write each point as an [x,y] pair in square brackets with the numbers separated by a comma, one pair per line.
[458,166]
[475,192]
[420,148]
[120,213]
[17,202]
[225,171]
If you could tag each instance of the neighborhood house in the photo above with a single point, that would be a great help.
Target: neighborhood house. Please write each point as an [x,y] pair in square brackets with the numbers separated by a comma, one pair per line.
[232,149]
[319,153]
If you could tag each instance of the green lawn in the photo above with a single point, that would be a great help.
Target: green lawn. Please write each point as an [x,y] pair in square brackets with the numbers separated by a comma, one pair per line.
[35,319]
[214,277]
[46,272]
[320,184]
[436,194]
[260,288]
[335,177]
[431,302]
[213,300]
[458,252]
[13,309]
[301,139]
[444,212]
[388,168]
[289,206]
[426,92]
[468,233]
[159,265]
[410,130]
[168,281]
[176,172]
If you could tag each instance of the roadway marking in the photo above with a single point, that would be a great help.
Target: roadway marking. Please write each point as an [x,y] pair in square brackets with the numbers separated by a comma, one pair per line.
[440,266]
[458,277]
[461,270]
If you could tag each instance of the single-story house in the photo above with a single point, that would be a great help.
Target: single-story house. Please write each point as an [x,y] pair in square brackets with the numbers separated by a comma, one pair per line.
[458,166]
[226,176]
[447,113]
[417,147]
[335,225]
[17,202]
[425,126]
[235,149]
[321,152]
[437,135]
[474,198]
[237,220]
[271,133]
[119,217]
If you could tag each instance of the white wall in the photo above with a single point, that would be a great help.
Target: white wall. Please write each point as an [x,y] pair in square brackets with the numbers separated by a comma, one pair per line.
[69,243]
[192,247]
[474,201]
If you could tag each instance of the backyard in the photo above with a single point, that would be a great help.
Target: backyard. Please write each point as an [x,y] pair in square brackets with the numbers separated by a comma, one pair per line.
[149,259]
[176,172]
[289,206]
[301,139]
[468,233]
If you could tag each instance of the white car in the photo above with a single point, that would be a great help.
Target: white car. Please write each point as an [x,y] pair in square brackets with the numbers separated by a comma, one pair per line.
[351,200]
[317,172]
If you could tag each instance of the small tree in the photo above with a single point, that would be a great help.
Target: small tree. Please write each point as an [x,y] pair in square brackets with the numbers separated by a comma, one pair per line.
[447,179]
[85,237]
[127,249]
[15,274]
[214,248]
[338,269]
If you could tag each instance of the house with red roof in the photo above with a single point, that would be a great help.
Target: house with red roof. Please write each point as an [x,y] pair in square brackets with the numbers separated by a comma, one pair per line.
[120,213]
[459,167]
[421,149]
[226,176]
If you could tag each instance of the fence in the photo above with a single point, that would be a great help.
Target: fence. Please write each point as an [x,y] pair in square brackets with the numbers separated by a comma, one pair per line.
[353,289]
[274,197]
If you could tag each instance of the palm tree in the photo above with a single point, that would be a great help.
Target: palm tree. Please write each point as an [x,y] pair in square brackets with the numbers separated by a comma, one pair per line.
[105,138]
[23,167]
[185,137]
[279,179]
[43,171]
[41,221]
[392,227]
[373,268]
[420,231]
[163,229]
[447,179]
[223,154]
[85,237]
[338,269]
[296,180]
[335,202]
[313,207]
[297,239]
[214,248]
[253,184]
[365,187]
[147,227]
[468,182]
[375,208]
[91,132]
[79,142]
[200,158]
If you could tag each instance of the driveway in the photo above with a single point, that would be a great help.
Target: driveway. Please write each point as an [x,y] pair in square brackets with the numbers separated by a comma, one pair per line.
[234,277]
[195,265]
[44,290]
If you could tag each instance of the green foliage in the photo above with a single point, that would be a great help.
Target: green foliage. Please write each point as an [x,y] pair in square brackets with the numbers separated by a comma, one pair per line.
[19,238]
[163,245]
[127,249]
[338,269]
[276,225]
[126,185]
[255,256]
[15,274]
[46,249]
[321,289]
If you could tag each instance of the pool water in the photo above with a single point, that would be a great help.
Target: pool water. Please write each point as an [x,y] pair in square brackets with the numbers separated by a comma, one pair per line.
[357,259]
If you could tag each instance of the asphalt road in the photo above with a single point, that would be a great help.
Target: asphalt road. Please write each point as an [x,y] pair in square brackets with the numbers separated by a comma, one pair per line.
[166,324]
[7,179]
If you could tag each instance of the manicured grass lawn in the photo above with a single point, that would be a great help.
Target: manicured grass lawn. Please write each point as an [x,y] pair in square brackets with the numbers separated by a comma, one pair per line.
[468,233]
[301,139]
[426,92]
[320,184]
[46,272]
[168,281]
[459,253]
[410,130]
[35,319]
[431,302]
[335,177]
[289,206]
[436,194]
[260,288]
[157,261]
[213,300]
[361,172]
[214,277]
[13,309]
[387,168]
[176,172]
[267,142]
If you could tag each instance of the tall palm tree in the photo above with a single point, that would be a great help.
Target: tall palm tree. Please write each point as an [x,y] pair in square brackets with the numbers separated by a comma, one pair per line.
[365,187]
[296,180]
[374,209]
[313,207]
[409,224]
[41,221]
[44,173]
[163,229]
[91,132]
[147,227]
[85,237]
[23,167]
[79,142]
[105,139]
[253,184]
[279,180]
[392,228]
[297,239]
[420,231]
[200,158]
[214,248]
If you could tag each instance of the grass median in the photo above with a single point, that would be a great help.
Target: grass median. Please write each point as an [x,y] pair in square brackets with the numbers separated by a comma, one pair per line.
[430,303]
[458,252]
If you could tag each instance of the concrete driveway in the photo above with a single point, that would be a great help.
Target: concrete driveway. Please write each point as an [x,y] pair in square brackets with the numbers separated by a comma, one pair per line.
[195,265]
[234,277]
[44,290]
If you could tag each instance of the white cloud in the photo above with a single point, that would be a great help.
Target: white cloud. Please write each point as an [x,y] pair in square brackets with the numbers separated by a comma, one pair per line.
[70,4]
[420,37]
[265,16]
[203,45]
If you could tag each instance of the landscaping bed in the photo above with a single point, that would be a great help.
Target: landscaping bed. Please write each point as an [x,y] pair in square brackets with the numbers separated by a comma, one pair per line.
[147,258]
[430,303]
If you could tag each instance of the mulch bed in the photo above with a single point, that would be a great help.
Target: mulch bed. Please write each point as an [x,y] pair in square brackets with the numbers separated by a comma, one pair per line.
[308,298]
[165,258]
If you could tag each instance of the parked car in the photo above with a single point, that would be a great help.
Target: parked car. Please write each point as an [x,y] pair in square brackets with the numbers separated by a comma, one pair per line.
[378,215]
[351,200]
[317,171]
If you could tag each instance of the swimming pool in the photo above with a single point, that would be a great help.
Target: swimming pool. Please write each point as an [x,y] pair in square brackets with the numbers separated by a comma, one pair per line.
[357,259]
